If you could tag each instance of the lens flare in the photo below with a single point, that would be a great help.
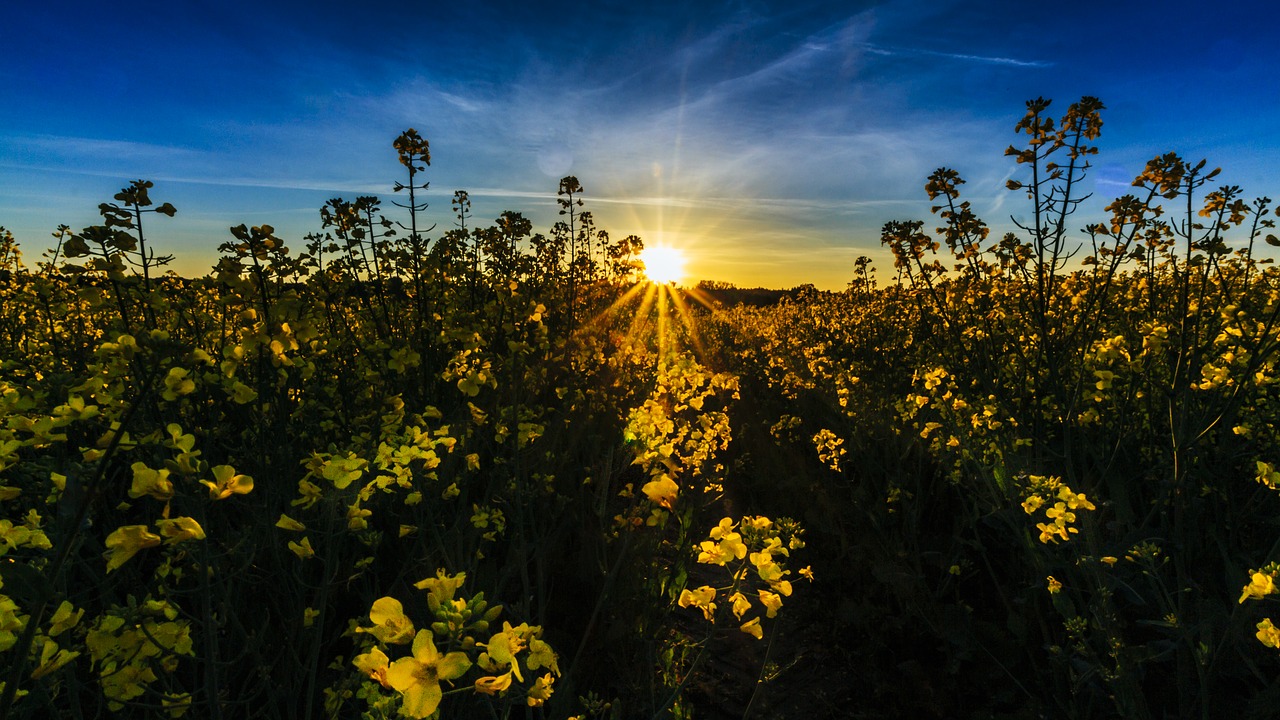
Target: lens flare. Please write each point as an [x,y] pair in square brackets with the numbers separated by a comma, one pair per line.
[663,264]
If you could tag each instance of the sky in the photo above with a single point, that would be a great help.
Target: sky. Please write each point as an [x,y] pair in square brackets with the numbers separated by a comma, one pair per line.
[770,141]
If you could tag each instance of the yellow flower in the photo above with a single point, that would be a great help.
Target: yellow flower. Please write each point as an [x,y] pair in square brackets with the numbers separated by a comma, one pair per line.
[662,490]
[493,684]
[242,394]
[806,572]
[341,471]
[177,384]
[1051,533]
[752,628]
[771,601]
[1108,560]
[540,692]
[309,616]
[765,556]
[155,483]
[724,545]
[287,523]
[442,586]
[125,542]
[541,656]
[180,530]
[228,483]
[1059,513]
[1075,501]
[390,624]
[417,678]
[127,682]
[51,659]
[1268,634]
[1261,586]
[356,517]
[309,494]
[740,604]
[772,574]
[502,649]
[11,622]
[65,618]
[374,664]
[303,549]
[1055,587]
[700,598]
[1032,504]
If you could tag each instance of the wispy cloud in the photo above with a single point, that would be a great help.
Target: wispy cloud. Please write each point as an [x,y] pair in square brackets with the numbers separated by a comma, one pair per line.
[986,59]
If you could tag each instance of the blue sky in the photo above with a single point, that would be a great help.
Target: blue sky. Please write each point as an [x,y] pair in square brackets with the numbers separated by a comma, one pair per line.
[771,140]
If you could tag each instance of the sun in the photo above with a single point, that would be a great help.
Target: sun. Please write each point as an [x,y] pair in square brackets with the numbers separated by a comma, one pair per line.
[663,264]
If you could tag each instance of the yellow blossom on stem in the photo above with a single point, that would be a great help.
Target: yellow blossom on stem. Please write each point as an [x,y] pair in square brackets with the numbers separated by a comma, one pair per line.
[700,598]
[1032,504]
[540,692]
[442,586]
[1075,501]
[752,628]
[1268,634]
[125,542]
[724,545]
[11,622]
[155,483]
[1260,586]
[308,494]
[417,678]
[374,664]
[502,649]
[493,684]
[177,383]
[302,549]
[662,490]
[765,556]
[64,618]
[180,530]
[52,658]
[227,483]
[356,517]
[1055,586]
[287,523]
[390,624]
[541,656]
[772,602]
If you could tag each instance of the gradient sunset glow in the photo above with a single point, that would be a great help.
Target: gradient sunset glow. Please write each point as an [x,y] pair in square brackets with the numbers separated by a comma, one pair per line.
[771,140]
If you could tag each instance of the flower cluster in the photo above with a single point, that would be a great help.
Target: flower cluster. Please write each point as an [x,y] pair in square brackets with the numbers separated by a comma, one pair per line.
[677,435]
[134,647]
[451,647]
[1061,514]
[754,544]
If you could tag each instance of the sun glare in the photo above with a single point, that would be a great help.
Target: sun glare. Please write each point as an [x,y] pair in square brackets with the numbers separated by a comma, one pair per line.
[663,264]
